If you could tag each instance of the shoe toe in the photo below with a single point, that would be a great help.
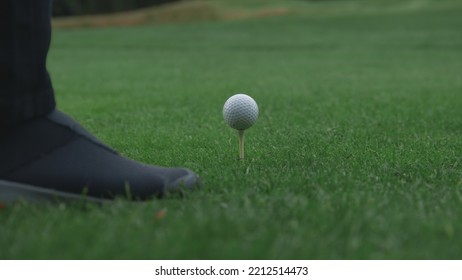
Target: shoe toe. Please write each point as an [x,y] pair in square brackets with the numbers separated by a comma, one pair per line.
[185,179]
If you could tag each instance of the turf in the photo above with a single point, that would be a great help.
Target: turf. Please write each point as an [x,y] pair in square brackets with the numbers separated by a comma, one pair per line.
[356,154]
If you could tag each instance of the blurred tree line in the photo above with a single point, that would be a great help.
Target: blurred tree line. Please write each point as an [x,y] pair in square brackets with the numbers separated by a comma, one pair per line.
[85,7]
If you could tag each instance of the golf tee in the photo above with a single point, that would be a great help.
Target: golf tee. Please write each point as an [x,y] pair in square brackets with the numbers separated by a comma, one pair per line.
[241,144]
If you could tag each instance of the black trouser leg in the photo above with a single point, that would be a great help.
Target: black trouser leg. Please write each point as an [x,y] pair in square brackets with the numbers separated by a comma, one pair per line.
[25,87]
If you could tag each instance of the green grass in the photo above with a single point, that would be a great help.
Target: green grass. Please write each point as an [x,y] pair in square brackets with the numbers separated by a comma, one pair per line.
[356,154]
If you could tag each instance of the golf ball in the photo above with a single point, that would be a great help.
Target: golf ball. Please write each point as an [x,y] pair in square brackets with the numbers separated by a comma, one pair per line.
[240,111]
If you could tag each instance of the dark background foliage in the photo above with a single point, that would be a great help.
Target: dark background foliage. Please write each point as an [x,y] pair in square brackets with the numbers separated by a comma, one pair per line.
[83,7]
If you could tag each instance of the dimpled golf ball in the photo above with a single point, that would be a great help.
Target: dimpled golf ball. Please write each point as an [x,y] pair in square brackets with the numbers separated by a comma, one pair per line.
[240,111]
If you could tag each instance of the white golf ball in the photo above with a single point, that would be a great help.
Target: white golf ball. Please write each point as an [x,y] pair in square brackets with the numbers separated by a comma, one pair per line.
[240,111]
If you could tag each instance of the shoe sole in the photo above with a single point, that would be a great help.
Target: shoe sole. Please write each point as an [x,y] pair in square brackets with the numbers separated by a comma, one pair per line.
[12,192]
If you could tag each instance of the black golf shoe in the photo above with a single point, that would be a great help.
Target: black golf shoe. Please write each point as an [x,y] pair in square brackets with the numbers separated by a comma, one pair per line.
[53,157]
